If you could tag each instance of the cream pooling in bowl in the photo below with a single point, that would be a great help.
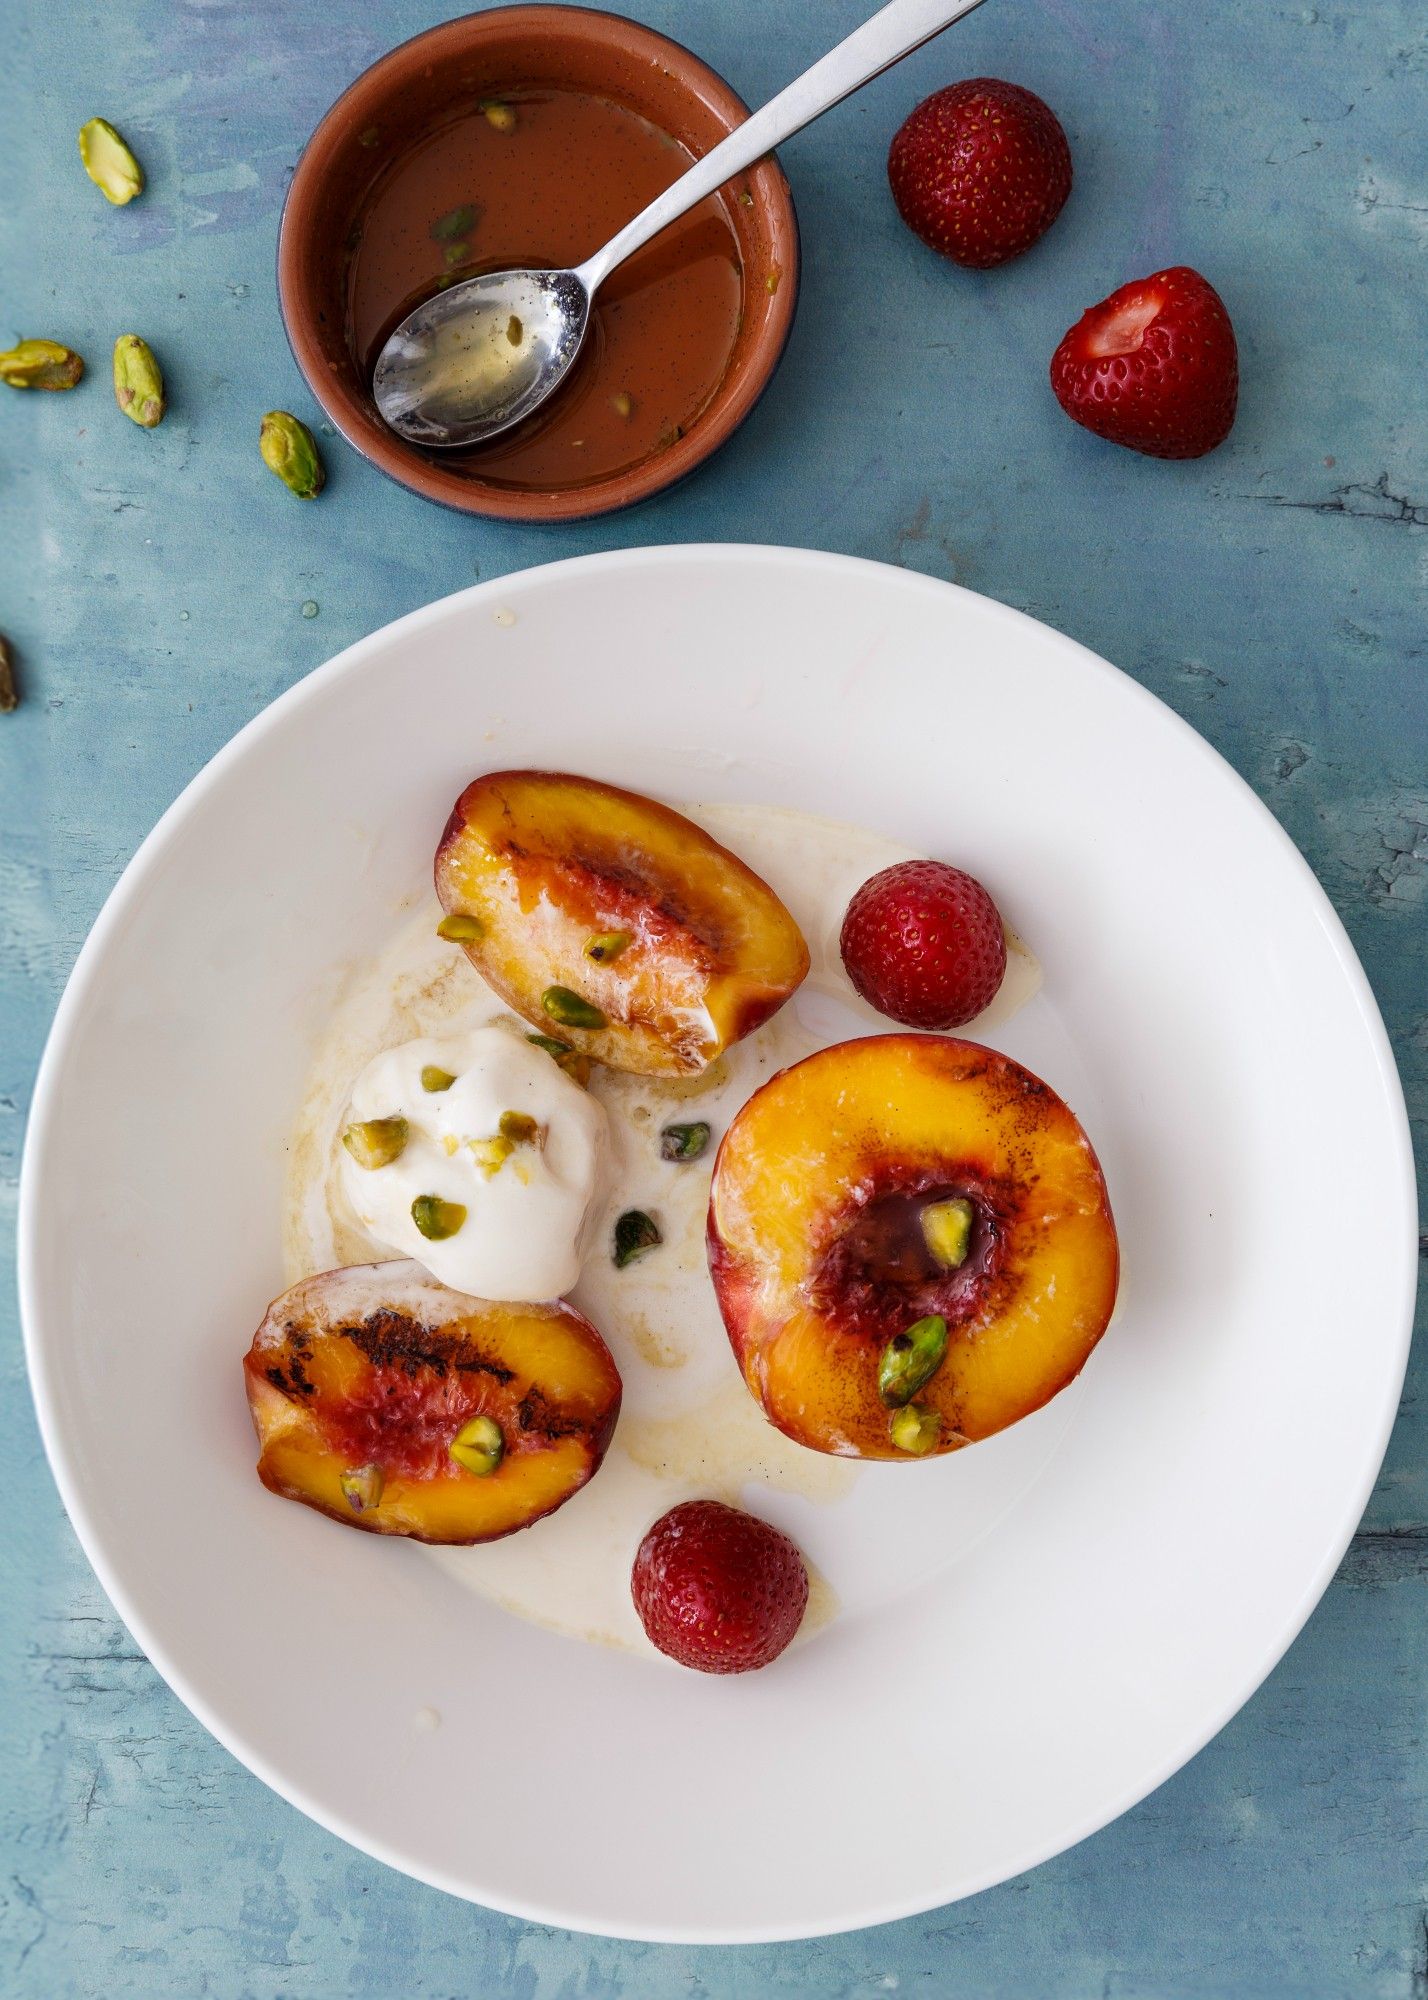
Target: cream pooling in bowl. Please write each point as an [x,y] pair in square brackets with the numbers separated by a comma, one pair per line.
[494,1128]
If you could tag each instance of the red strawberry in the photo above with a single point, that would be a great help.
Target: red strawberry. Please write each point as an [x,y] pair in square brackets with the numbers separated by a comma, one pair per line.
[924,944]
[980,171]
[1153,367]
[718,1589]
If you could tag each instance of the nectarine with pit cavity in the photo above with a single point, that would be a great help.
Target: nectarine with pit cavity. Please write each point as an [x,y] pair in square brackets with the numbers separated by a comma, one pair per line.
[612,921]
[394,1404]
[911,1244]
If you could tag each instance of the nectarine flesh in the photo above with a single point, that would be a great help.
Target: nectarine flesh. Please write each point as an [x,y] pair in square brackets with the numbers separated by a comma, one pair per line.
[394,1404]
[911,1244]
[614,920]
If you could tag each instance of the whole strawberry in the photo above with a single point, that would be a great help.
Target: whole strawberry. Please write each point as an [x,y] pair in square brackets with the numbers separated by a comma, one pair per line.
[980,171]
[923,943]
[1153,367]
[718,1589]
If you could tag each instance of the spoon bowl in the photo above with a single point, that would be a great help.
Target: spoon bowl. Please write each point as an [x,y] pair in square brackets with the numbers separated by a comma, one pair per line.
[477,358]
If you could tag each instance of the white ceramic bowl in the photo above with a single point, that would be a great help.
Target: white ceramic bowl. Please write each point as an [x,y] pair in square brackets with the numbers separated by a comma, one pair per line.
[1203,1011]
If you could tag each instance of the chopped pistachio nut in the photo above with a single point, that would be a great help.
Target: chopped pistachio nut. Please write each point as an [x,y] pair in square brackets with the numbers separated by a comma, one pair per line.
[455,254]
[491,1155]
[623,403]
[138,384]
[515,330]
[362,1487]
[9,693]
[290,450]
[109,162]
[501,117]
[569,1009]
[437,1219]
[376,1142]
[435,1078]
[745,198]
[370,136]
[450,1145]
[519,1128]
[947,1230]
[635,1233]
[478,1446]
[914,1429]
[456,223]
[40,364]
[771,282]
[911,1359]
[607,946]
[458,928]
[683,1142]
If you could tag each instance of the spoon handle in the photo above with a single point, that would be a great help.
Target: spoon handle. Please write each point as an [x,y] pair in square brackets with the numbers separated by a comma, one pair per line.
[890,35]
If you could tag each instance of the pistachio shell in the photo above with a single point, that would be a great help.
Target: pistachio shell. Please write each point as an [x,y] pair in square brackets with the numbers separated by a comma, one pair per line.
[138,384]
[109,162]
[290,450]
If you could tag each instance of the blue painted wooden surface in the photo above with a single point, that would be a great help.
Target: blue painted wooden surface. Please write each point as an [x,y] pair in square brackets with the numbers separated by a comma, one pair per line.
[1275,594]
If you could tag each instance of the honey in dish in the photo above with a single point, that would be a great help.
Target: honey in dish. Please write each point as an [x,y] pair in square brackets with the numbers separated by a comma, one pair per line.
[541,179]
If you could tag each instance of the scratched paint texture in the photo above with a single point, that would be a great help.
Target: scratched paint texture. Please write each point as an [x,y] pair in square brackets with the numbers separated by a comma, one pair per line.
[1275,594]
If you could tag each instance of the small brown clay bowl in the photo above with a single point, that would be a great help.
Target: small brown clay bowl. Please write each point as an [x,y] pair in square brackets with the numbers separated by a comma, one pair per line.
[412,88]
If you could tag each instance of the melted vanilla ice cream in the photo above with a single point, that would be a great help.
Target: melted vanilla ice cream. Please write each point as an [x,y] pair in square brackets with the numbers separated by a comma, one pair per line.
[528,1191]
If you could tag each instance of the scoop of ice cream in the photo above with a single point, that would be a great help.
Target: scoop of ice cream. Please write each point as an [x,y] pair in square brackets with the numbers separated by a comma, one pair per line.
[478,1156]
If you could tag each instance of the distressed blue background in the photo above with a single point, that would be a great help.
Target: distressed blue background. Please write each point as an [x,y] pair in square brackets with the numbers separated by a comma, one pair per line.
[1274,594]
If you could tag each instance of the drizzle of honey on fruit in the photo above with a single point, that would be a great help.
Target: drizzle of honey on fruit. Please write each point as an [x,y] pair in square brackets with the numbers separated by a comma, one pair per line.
[540,179]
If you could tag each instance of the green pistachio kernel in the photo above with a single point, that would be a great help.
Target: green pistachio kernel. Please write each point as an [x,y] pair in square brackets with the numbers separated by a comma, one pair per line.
[376,1142]
[683,1142]
[635,1233]
[501,117]
[362,1487]
[914,1429]
[138,383]
[569,1009]
[519,1128]
[911,1359]
[456,223]
[434,1078]
[458,928]
[109,162]
[515,330]
[9,693]
[437,1219]
[607,946]
[455,255]
[40,364]
[623,403]
[478,1446]
[491,1155]
[947,1230]
[290,450]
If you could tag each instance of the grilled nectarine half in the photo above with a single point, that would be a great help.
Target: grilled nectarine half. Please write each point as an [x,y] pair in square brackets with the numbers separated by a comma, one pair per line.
[911,1245]
[613,923]
[394,1404]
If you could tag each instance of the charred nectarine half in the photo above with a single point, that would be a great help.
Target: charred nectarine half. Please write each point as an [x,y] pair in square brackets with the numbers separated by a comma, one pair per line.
[613,922]
[911,1245]
[397,1405]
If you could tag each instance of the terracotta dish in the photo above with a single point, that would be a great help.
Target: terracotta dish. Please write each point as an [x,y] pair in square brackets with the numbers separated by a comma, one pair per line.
[390,113]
